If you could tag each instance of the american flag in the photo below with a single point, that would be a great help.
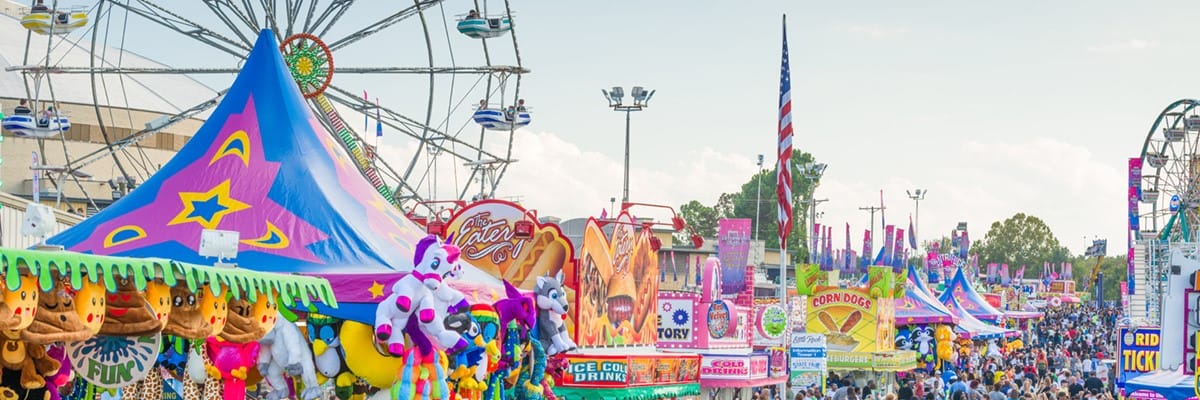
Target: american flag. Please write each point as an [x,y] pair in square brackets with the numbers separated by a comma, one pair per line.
[783,170]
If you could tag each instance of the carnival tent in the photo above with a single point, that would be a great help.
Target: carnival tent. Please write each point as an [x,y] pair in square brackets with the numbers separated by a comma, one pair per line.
[919,280]
[972,328]
[1168,384]
[965,295]
[263,166]
[919,308]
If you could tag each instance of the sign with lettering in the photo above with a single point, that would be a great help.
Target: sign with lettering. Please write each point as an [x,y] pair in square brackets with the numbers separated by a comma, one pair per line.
[719,320]
[760,366]
[597,372]
[727,367]
[618,285]
[770,324]
[850,319]
[1137,354]
[486,231]
[733,248]
[807,361]
[113,362]
[675,321]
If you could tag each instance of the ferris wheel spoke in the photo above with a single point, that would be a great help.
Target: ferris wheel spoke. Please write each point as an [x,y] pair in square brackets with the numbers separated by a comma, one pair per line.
[329,16]
[408,126]
[215,7]
[293,14]
[420,5]
[157,14]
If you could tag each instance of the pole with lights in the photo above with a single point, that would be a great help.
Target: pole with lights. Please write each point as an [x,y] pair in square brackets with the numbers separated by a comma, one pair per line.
[641,100]
[917,196]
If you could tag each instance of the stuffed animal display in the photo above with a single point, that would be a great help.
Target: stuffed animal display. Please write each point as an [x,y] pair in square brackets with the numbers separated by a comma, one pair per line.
[20,303]
[414,296]
[28,359]
[186,320]
[284,351]
[128,313]
[232,362]
[248,322]
[56,319]
[552,314]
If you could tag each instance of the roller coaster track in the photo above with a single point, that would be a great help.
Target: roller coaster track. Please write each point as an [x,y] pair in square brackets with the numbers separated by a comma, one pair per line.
[350,140]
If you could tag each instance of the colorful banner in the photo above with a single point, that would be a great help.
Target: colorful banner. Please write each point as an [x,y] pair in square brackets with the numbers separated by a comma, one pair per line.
[486,233]
[675,319]
[807,361]
[852,320]
[618,286]
[733,248]
[1137,353]
[1135,191]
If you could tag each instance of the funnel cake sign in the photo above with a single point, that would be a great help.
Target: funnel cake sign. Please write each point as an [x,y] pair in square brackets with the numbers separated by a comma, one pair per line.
[487,233]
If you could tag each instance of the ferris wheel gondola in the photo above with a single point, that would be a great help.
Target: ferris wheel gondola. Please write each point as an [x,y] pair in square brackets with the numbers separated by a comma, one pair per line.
[27,125]
[484,27]
[502,119]
[57,22]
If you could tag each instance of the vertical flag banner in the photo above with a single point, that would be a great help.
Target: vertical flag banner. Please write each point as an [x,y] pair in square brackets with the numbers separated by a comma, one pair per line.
[366,116]
[733,248]
[964,245]
[889,239]
[1004,274]
[815,247]
[1135,195]
[848,252]
[783,169]
[912,234]
[378,122]
[866,253]
[898,259]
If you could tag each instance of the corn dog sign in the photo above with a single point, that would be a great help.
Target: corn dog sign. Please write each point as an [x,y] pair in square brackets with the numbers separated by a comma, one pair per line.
[848,318]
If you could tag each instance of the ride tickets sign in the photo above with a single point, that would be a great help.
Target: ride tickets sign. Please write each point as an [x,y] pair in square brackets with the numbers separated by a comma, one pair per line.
[112,362]
[487,233]
[1138,353]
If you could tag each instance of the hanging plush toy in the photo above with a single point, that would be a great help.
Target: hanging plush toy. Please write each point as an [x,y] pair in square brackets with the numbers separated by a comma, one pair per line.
[91,306]
[923,341]
[552,315]
[414,296]
[128,313]
[16,313]
[283,350]
[233,362]
[26,365]
[248,322]
[63,375]
[56,319]
[158,296]
[214,309]
[186,320]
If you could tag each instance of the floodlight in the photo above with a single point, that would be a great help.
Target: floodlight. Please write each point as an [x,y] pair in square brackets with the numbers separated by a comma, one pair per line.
[617,93]
[638,93]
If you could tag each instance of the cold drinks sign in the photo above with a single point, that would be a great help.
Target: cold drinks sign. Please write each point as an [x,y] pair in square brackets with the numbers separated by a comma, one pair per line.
[733,367]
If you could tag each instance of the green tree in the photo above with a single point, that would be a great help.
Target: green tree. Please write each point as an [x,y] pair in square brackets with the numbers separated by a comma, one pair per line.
[700,217]
[1020,240]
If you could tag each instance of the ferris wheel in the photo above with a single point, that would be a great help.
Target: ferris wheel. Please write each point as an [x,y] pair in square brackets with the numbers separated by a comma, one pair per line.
[1169,207]
[436,66]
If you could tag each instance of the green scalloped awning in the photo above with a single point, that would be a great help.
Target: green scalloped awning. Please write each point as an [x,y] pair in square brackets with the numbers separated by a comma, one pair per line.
[628,393]
[240,282]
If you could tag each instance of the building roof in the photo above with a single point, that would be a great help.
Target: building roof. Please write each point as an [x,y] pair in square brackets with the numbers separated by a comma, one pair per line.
[163,93]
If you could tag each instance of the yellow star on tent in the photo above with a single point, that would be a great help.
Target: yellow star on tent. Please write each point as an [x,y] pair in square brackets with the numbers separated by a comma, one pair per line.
[207,208]
[376,290]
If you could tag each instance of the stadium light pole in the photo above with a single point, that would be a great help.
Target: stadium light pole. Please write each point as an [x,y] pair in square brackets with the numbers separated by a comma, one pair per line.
[641,100]
[917,196]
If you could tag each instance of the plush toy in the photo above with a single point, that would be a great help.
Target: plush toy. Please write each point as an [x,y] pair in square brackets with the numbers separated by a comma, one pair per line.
[173,355]
[413,295]
[56,319]
[552,314]
[329,356]
[214,309]
[30,360]
[283,350]
[186,320]
[515,308]
[922,339]
[232,362]
[158,296]
[128,313]
[364,359]
[248,322]
[63,375]
[90,306]
[19,305]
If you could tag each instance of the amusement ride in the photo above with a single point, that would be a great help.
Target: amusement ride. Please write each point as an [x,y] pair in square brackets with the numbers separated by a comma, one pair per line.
[461,97]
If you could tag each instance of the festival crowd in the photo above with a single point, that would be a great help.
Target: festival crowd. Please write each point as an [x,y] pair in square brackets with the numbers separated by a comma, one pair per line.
[1064,358]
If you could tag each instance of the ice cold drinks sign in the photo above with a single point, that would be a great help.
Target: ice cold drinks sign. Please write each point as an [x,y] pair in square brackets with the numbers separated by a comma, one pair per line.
[588,371]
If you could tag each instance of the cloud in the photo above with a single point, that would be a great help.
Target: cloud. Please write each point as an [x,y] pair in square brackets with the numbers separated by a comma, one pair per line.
[1123,46]
[874,31]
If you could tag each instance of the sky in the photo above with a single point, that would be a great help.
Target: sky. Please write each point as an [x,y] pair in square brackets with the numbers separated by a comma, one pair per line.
[996,109]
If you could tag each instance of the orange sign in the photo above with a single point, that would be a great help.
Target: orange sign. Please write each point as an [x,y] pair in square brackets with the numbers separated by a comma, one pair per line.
[618,285]
[487,233]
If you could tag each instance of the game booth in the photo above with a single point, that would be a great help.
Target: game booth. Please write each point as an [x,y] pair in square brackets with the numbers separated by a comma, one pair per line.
[711,324]
[297,221]
[859,324]
[920,320]
[617,317]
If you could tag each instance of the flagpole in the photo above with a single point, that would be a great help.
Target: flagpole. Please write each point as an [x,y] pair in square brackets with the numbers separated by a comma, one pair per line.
[783,257]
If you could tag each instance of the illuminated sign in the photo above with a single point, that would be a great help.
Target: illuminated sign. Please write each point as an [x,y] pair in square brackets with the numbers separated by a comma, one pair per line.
[718,319]
[675,320]
[1138,353]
